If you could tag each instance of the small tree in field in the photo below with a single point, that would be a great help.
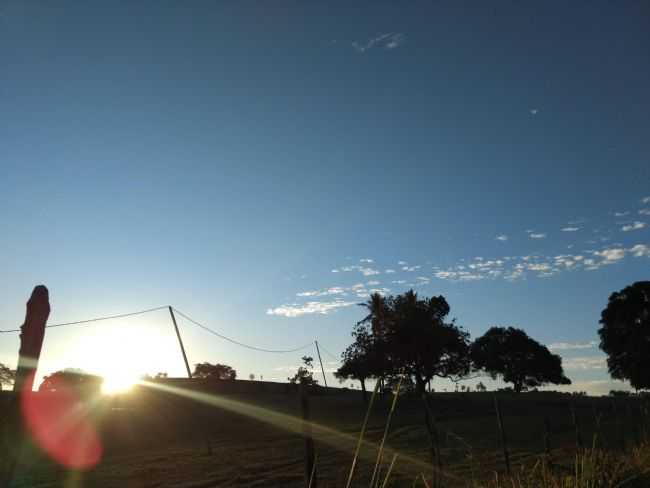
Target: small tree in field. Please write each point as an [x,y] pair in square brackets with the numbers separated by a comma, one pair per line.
[517,358]
[7,376]
[359,359]
[480,387]
[625,334]
[251,377]
[304,374]
[214,371]
[421,343]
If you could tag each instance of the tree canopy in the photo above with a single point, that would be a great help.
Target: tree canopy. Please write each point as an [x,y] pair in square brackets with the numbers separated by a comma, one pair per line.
[214,371]
[7,376]
[412,336]
[72,379]
[625,334]
[361,359]
[510,353]
[305,373]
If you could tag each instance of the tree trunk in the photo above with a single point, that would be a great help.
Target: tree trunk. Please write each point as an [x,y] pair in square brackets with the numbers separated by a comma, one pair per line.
[420,385]
[518,385]
[364,393]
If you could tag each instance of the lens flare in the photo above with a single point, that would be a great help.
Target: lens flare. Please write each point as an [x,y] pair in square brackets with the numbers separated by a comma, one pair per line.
[60,423]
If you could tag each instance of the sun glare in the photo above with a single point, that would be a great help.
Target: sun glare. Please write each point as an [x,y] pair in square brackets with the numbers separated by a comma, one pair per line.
[123,353]
[118,383]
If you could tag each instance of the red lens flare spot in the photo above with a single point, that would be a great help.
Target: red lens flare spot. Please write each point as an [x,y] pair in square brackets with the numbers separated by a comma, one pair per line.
[60,423]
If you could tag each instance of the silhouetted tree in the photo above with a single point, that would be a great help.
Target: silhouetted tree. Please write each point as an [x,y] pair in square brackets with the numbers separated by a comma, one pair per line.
[72,379]
[304,374]
[7,376]
[517,358]
[415,339]
[214,371]
[251,377]
[480,387]
[360,359]
[625,334]
[378,315]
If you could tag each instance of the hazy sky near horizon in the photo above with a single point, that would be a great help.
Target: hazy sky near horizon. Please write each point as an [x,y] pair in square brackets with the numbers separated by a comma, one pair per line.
[263,166]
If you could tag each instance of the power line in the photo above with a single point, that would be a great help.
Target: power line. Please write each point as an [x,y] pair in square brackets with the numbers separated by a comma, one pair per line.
[329,353]
[97,319]
[233,341]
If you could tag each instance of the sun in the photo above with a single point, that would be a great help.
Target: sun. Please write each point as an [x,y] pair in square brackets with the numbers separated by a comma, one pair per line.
[123,353]
[118,382]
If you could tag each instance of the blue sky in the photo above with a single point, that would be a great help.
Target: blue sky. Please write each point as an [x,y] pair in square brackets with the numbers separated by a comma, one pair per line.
[261,166]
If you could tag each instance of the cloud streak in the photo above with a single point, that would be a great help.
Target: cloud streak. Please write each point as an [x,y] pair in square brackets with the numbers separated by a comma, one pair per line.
[633,226]
[389,40]
[568,346]
[297,310]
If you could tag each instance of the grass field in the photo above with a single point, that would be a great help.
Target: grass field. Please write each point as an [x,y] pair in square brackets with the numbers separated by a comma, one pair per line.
[154,438]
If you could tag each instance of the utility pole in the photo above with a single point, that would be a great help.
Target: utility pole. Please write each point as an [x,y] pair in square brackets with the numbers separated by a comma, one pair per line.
[321,362]
[180,341]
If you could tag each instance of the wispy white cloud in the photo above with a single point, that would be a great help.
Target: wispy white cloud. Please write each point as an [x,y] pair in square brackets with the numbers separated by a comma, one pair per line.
[373,283]
[365,271]
[539,235]
[389,271]
[570,229]
[411,268]
[644,211]
[584,363]
[621,214]
[366,260]
[640,250]
[389,40]
[645,200]
[296,310]
[633,226]
[502,237]
[610,255]
[567,346]
[369,271]
[334,290]
[533,111]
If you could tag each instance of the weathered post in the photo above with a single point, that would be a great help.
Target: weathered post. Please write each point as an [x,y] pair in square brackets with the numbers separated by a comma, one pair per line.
[310,467]
[547,438]
[502,434]
[619,424]
[598,418]
[430,423]
[32,333]
[576,425]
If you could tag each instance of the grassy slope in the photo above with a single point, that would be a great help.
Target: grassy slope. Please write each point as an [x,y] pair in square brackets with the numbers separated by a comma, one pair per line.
[159,439]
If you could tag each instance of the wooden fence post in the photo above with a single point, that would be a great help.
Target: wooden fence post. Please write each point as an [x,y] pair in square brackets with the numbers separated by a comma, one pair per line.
[547,438]
[32,333]
[502,433]
[598,417]
[310,467]
[576,425]
[619,424]
[432,429]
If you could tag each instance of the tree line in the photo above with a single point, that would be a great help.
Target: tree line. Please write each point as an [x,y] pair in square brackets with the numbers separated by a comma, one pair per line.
[405,335]
[412,336]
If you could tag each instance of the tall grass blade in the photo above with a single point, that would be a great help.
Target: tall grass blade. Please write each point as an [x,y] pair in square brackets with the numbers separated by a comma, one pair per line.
[390,469]
[361,435]
[375,473]
[424,480]
[313,472]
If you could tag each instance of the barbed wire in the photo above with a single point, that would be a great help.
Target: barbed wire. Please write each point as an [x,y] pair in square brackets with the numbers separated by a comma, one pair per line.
[241,344]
